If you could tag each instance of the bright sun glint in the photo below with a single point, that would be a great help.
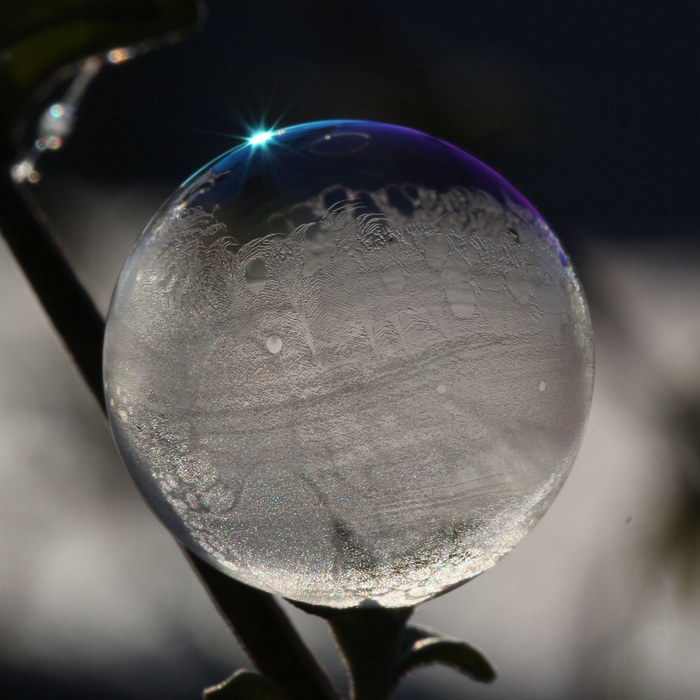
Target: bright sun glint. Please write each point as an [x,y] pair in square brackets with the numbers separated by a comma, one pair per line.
[260,137]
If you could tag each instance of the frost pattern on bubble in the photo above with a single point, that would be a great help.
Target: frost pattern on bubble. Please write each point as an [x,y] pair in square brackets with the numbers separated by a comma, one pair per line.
[353,408]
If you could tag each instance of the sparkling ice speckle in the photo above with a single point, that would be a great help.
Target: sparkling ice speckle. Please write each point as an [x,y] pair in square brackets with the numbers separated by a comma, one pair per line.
[323,363]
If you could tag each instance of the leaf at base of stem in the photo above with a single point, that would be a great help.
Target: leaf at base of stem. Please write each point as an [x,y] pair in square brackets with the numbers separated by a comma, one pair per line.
[424,647]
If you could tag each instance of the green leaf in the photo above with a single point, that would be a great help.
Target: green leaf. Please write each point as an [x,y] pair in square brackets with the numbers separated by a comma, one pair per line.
[423,647]
[44,39]
[243,685]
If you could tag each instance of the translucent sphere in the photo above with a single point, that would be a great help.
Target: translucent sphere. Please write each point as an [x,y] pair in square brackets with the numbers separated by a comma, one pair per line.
[348,362]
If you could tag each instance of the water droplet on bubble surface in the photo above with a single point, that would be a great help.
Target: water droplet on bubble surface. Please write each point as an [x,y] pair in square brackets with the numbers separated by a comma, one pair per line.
[374,262]
[274,344]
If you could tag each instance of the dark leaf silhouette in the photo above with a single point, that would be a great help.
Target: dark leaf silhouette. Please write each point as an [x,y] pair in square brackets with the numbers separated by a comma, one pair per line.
[423,647]
[44,38]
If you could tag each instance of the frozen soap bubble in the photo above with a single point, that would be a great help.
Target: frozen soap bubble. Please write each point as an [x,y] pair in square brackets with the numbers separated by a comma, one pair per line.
[347,361]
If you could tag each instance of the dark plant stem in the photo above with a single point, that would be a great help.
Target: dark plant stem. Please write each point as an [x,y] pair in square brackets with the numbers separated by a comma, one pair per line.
[371,658]
[246,608]
[370,640]
[67,304]
[255,617]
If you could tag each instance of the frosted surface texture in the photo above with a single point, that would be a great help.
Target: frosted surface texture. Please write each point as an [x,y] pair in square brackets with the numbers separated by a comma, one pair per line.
[350,363]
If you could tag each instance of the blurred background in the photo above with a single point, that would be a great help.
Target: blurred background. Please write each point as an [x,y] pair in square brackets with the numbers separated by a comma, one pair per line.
[588,108]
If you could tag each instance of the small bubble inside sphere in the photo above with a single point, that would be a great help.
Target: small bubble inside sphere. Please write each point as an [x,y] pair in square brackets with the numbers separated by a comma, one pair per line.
[348,362]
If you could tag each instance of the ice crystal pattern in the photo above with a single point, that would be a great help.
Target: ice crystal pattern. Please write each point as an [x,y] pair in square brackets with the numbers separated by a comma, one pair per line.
[370,406]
